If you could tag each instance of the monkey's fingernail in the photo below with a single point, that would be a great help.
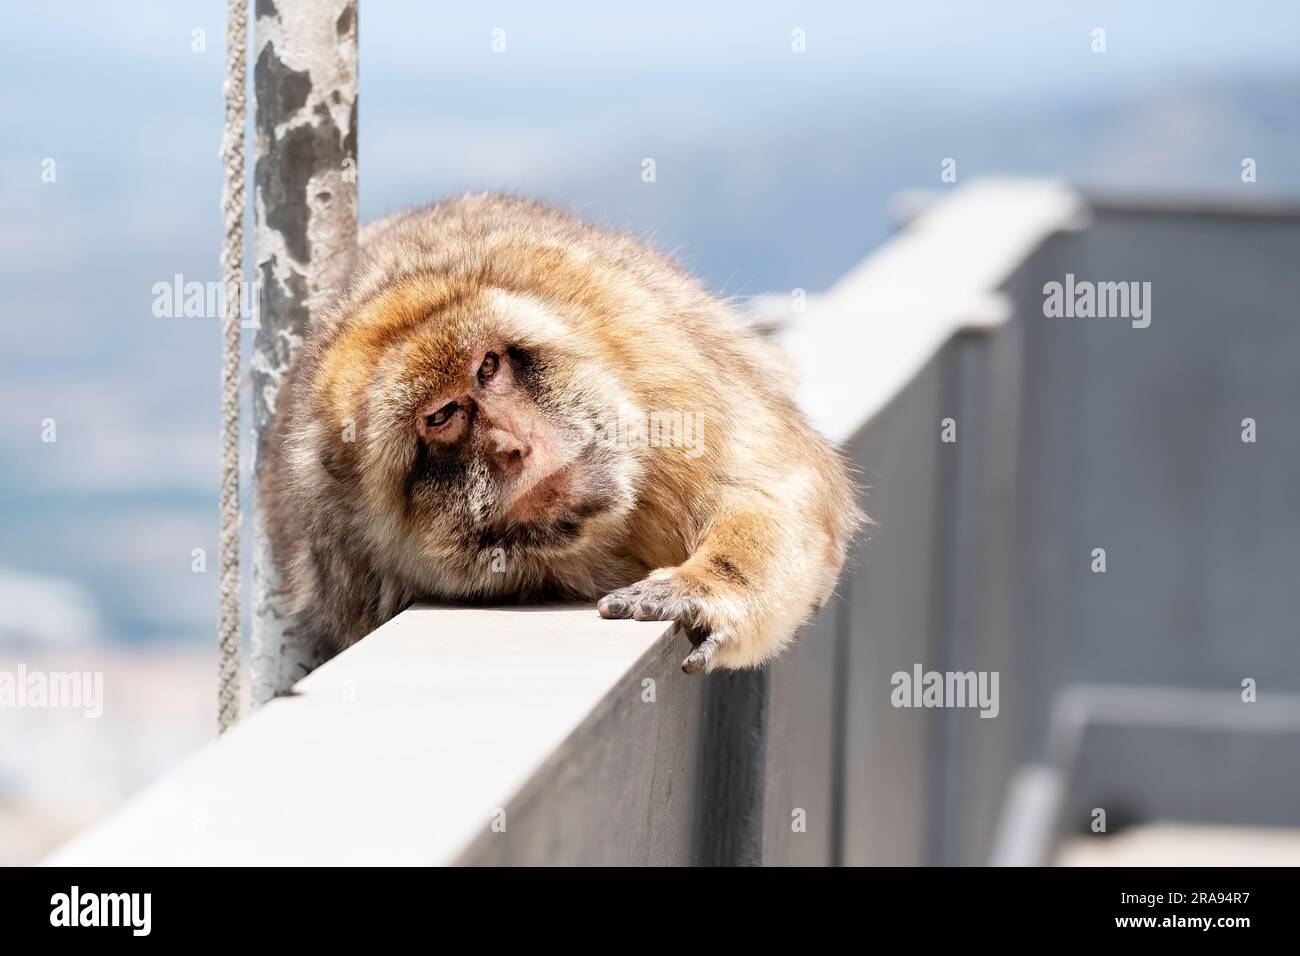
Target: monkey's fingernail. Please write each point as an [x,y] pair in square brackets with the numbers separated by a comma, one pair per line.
[611,606]
[695,661]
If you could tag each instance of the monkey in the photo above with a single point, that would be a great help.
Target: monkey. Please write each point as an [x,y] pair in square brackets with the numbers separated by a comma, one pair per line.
[504,403]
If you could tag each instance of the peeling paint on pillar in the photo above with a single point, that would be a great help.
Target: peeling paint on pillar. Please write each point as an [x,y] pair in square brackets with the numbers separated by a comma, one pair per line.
[305,228]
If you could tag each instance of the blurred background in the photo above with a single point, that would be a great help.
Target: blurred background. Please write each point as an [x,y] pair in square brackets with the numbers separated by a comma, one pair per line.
[774,172]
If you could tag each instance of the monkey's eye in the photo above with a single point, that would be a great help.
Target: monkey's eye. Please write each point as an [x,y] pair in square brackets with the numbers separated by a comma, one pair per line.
[441,415]
[489,367]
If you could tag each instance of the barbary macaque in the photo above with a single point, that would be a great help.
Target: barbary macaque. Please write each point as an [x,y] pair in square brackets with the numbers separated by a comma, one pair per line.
[506,404]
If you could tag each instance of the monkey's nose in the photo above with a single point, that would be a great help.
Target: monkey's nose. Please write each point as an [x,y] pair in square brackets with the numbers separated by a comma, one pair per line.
[508,452]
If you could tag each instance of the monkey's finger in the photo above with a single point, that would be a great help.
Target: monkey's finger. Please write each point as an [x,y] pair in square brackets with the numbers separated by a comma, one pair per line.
[685,609]
[698,659]
[614,606]
[626,602]
[649,609]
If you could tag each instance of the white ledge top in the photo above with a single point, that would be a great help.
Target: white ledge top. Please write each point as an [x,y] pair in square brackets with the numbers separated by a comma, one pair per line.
[943,272]
[397,751]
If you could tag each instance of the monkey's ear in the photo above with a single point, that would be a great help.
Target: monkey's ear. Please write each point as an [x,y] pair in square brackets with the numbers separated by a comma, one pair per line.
[338,465]
[337,454]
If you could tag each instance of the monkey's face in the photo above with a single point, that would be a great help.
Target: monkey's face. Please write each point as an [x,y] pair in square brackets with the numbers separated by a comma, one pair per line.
[486,439]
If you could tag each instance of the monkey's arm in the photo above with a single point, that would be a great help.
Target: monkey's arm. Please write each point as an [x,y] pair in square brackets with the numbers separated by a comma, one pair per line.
[760,568]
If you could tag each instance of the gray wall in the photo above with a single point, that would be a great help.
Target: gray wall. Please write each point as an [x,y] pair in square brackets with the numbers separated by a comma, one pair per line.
[1131,442]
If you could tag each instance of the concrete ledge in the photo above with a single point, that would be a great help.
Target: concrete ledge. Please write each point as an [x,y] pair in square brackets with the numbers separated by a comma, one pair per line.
[398,751]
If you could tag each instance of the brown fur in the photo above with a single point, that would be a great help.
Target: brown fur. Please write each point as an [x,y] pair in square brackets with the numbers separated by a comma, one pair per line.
[526,491]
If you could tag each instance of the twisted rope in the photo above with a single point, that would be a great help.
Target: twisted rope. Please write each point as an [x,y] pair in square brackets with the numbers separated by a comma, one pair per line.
[232,267]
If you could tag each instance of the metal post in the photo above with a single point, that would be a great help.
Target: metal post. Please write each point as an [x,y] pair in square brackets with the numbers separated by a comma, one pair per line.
[305,227]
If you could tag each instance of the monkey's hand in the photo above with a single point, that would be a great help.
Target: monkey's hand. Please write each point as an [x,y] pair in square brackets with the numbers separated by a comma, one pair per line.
[673,594]
[753,579]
